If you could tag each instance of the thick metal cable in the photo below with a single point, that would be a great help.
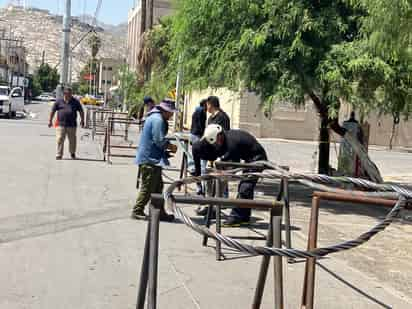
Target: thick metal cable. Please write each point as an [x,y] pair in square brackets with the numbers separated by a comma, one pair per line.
[312,181]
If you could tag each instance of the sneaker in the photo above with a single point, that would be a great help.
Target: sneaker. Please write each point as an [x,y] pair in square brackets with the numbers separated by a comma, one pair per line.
[73,156]
[138,215]
[234,222]
[201,211]
[58,157]
[166,217]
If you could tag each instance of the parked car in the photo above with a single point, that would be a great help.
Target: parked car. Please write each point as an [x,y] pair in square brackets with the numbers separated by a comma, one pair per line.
[89,100]
[11,102]
[47,97]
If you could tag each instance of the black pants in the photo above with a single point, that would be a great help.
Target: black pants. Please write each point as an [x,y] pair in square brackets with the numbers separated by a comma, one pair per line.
[246,190]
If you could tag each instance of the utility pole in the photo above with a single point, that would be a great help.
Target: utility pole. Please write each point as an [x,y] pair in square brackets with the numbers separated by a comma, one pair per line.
[65,49]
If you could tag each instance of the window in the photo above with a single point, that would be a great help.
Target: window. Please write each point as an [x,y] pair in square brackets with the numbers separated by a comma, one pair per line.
[109,69]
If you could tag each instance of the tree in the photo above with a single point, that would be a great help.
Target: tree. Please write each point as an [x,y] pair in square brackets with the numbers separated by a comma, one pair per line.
[95,44]
[46,77]
[84,76]
[389,23]
[284,50]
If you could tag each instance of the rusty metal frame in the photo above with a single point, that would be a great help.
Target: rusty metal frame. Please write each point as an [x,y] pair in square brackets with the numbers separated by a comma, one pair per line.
[283,195]
[310,267]
[149,267]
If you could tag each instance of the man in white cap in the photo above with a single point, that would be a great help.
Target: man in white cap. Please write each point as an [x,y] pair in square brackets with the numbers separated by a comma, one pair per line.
[234,146]
[152,156]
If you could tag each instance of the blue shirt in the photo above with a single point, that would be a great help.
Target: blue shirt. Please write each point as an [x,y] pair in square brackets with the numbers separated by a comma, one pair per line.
[153,142]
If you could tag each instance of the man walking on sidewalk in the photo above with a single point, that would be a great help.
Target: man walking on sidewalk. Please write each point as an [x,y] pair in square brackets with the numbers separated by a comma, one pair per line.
[66,124]
[152,156]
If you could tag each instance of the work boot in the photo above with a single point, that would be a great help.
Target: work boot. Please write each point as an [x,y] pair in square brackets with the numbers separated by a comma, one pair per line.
[73,156]
[58,157]
[233,221]
[201,211]
[138,214]
[165,217]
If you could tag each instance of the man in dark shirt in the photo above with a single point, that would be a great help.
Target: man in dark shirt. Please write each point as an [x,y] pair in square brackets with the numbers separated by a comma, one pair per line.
[196,132]
[199,120]
[66,124]
[234,146]
[217,115]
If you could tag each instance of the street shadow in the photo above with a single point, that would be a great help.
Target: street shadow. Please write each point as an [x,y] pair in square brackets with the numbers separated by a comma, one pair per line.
[83,159]
[353,287]
[302,195]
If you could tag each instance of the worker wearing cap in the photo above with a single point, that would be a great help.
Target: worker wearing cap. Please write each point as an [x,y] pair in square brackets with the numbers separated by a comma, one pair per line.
[234,146]
[152,156]
[148,105]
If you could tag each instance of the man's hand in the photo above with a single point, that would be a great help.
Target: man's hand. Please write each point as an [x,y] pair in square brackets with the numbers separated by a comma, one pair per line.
[82,123]
[50,124]
[172,148]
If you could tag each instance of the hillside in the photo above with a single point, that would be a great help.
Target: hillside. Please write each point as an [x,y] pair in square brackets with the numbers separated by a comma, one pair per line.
[42,32]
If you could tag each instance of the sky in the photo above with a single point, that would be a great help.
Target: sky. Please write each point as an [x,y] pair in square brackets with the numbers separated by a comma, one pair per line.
[112,11]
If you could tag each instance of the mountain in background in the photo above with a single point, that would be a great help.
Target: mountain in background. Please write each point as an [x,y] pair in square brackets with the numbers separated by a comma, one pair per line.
[41,32]
[120,29]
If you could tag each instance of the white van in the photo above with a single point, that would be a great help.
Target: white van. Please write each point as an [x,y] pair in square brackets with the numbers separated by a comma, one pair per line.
[11,102]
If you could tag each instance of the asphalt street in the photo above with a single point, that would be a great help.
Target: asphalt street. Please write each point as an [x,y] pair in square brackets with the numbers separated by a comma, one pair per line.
[66,239]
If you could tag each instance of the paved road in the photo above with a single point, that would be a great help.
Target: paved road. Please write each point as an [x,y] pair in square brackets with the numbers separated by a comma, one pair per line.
[66,240]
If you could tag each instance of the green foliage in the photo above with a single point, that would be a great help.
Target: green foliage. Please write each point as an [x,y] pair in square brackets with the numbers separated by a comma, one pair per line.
[163,68]
[292,50]
[35,87]
[84,85]
[389,26]
[273,47]
[46,78]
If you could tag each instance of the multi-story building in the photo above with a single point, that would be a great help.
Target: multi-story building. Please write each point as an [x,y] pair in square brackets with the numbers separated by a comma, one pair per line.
[108,73]
[160,8]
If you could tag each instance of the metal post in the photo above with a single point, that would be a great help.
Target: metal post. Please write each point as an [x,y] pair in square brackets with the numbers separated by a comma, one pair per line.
[285,191]
[178,90]
[219,193]
[264,266]
[277,262]
[108,142]
[156,205]
[144,273]
[209,192]
[309,280]
[66,43]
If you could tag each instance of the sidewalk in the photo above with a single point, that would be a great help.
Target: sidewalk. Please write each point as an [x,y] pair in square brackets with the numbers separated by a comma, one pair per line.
[66,241]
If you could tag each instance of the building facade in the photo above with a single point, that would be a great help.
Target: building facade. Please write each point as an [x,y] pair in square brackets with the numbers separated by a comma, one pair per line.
[289,122]
[160,8]
[108,74]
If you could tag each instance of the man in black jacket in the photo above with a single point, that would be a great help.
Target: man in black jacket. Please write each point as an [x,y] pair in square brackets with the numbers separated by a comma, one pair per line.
[196,132]
[234,146]
[217,115]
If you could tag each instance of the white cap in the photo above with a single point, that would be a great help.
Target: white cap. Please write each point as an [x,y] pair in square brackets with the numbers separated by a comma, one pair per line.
[211,133]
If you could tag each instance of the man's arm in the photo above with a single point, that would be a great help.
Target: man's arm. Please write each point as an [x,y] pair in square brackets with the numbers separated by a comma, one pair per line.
[158,133]
[81,112]
[52,113]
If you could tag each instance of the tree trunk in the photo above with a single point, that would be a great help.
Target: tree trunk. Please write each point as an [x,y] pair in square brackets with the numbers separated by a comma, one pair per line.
[370,168]
[324,147]
[142,18]
[150,12]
